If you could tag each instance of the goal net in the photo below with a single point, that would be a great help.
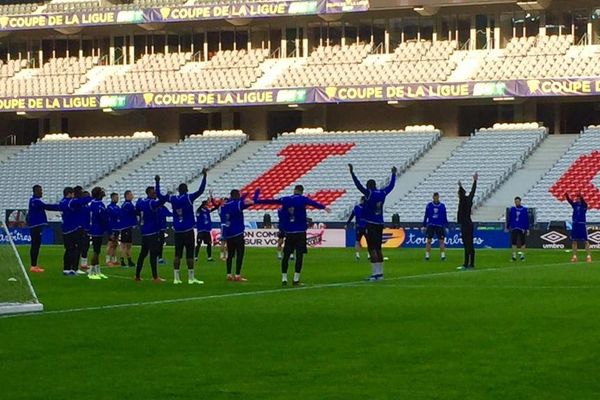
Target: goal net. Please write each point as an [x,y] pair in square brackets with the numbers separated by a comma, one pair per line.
[16,292]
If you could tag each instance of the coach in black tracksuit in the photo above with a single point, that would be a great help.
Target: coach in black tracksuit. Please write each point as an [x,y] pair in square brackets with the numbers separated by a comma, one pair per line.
[465,203]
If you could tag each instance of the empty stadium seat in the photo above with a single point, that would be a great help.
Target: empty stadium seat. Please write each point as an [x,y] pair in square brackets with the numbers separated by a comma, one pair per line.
[493,152]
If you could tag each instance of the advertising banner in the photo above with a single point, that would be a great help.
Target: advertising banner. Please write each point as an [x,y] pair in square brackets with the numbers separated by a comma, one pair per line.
[197,12]
[560,238]
[414,238]
[321,237]
[22,236]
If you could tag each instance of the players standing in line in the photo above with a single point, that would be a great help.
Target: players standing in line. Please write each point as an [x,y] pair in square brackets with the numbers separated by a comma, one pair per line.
[204,226]
[99,226]
[36,221]
[374,202]
[69,207]
[465,204]
[435,224]
[232,231]
[114,229]
[358,212]
[184,221]
[163,213]
[579,227]
[518,225]
[147,209]
[128,220]
[296,223]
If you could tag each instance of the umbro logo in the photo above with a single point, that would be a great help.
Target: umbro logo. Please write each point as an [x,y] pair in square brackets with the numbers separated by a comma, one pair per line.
[554,240]
[594,237]
[553,237]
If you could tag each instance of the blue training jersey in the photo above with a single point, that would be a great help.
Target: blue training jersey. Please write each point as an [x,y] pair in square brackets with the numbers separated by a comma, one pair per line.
[203,220]
[184,218]
[163,213]
[518,218]
[294,208]
[114,217]
[358,212]
[129,215]
[283,220]
[36,215]
[84,219]
[149,219]
[435,215]
[232,218]
[579,212]
[375,200]
[69,208]
[99,218]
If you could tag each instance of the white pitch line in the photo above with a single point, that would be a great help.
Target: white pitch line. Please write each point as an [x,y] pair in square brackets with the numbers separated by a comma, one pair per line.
[274,291]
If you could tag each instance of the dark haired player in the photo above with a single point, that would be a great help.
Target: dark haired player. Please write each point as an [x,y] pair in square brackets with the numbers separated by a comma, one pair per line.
[435,224]
[69,207]
[296,223]
[465,204]
[147,209]
[518,225]
[204,226]
[233,227]
[358,212]
[98,227]
[36,221]
[128,220]
[184,221]
[579,228]
[114,229]
[374,202]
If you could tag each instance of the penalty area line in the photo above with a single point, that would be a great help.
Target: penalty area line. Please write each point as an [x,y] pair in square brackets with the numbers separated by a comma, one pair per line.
[274,291]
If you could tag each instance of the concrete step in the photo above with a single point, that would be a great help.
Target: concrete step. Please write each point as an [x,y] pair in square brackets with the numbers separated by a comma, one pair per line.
[543,158]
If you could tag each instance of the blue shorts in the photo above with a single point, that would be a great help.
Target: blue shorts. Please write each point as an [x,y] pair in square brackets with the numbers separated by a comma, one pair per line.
[579,232]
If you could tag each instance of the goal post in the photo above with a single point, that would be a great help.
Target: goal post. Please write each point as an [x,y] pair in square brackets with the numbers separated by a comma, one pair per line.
[17,294]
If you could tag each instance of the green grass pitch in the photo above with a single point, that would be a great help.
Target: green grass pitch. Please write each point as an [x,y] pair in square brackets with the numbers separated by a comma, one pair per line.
[524,330]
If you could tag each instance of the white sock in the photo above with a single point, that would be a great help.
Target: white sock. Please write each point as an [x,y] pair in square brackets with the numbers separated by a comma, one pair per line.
[284,277]
[279,254]
[357,254]
[98,269]
[377,268]
[114,259]
[443,254]
[176,273]
[514,254]
[373,269]
[190,274]
[296,277]
[107,259]
[426,254]
[381,268]
[83,261]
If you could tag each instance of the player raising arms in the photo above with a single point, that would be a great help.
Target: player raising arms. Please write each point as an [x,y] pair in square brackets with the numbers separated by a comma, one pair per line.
[98,227]
[204,226]
[232,231]
[518,225]
[374,201]
[36,221]
[296,224]
[114,229]
[579,227]
[183,224]
[147,208]
[358,212]
[465,204]
[128,220]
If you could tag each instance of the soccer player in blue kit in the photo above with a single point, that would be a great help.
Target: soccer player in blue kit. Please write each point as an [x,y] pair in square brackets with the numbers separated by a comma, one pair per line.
[358,212]
[36,221]
[579,227]
[233,227]
[518,225]
[374,202]
[435,224]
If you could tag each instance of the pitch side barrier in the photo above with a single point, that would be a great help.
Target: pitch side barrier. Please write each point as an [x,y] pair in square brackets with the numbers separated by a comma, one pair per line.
[334,235]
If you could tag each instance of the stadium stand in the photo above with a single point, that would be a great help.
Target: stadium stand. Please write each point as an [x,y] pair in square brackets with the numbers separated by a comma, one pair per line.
[17,9]
[159,72]
[495,153]
[59,160]
[539,57]
[58,76]
[422,61]
[576,169]
[318,160]
[182,162]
